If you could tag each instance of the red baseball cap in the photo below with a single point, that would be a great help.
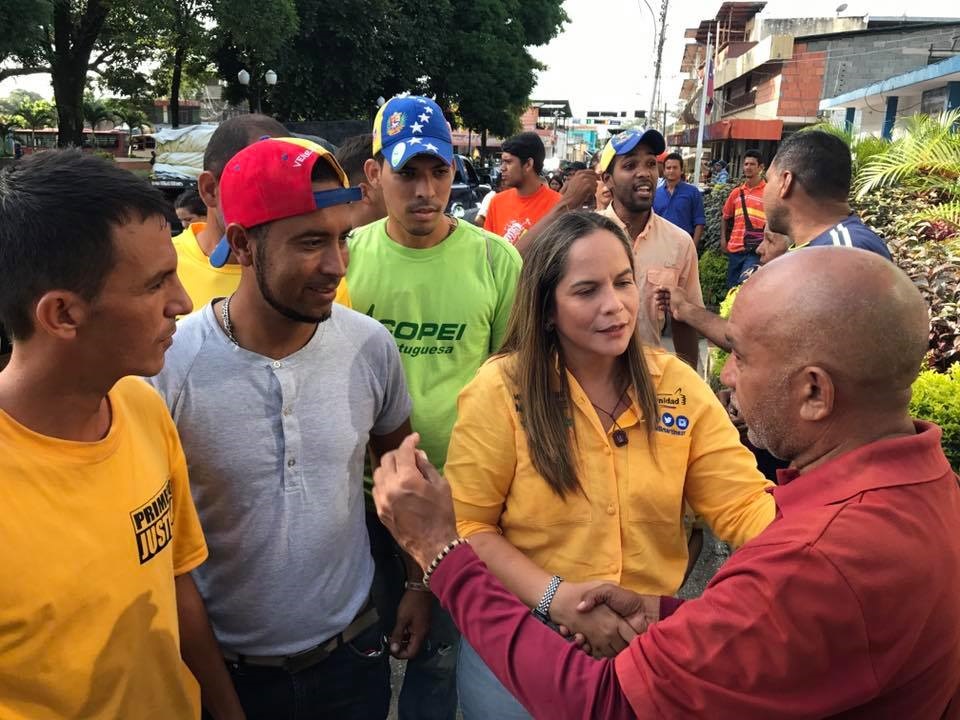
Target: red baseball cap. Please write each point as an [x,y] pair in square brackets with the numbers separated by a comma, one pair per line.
[270,180]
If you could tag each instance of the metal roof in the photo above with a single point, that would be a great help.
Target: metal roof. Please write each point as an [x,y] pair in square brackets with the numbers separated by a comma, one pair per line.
[732,16]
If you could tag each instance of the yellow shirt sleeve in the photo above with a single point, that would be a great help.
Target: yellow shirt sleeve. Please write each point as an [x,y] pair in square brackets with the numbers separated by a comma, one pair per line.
[343,293]
[723,484]
[189,546]
[482,457]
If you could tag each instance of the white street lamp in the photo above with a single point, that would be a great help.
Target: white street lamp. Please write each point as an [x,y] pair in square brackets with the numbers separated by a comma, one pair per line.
[243,77]
[271,77]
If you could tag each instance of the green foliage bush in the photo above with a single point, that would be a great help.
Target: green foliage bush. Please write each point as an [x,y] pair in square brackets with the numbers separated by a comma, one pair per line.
[713,277]
[936,398]
[108,156]
[713,200]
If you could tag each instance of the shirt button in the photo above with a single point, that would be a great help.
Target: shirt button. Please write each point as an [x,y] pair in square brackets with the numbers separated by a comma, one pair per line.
[287,412]
[611,510]
[606,450]
[291,462]
[277,364]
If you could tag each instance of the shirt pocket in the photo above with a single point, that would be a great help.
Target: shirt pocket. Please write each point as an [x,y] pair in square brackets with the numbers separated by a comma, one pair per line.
[656,495]
[663,276]
[532,502]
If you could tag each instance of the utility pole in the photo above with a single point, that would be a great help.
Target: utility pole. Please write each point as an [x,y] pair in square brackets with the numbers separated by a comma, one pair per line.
[656,73]
[703,106]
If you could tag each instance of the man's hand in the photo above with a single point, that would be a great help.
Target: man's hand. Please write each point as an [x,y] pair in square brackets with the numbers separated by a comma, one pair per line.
[414,502]
[601,632]
[578,190]
[413,623]
[673,301]
[639,611]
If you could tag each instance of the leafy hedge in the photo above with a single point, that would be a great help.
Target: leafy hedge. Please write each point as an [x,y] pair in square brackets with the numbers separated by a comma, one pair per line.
[936,397]
[713,277]
[713,200]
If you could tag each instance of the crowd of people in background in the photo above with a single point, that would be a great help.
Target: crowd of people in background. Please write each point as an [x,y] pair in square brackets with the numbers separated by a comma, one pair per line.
[369,430]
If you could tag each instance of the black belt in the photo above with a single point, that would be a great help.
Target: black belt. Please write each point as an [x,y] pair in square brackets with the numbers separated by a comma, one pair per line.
[311,656]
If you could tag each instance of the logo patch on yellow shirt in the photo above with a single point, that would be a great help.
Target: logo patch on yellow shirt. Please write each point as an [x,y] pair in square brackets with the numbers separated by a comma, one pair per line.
[153,525]
[673,424]
[673,400]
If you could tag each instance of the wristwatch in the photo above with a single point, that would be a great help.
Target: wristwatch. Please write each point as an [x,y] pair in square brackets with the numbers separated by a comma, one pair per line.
[542,610]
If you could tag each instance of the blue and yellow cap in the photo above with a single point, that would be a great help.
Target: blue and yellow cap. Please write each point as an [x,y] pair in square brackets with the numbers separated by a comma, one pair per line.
[624,142]
[409,126]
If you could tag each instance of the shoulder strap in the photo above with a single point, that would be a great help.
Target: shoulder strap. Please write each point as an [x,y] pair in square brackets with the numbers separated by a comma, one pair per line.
[746,215]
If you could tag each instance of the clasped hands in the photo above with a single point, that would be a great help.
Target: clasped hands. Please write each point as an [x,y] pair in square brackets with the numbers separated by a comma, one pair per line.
[414,502]
[602,618]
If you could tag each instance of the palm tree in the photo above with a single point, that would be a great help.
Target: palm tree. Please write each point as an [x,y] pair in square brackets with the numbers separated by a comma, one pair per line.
[36,114]
[95,111]
[862,147]
[128,114]
[924,159]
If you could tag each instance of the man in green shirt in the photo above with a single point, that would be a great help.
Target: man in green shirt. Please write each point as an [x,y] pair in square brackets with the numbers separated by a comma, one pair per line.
[444,289]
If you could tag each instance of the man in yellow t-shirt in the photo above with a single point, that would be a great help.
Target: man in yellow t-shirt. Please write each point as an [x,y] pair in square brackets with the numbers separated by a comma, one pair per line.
[98,532]
[196,245]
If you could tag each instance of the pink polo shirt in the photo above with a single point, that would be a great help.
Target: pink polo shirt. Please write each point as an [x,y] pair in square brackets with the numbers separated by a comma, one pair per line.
[847,606]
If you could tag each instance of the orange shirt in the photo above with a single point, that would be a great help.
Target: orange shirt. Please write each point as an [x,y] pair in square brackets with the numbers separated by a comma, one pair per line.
[511,214]
[733,208]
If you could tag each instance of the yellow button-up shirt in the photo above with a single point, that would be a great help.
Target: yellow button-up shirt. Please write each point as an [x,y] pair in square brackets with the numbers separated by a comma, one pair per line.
[626,526]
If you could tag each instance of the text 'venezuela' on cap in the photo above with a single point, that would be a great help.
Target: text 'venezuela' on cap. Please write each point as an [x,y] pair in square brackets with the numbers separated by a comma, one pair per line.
[409,126]
[270,180]
[624,142]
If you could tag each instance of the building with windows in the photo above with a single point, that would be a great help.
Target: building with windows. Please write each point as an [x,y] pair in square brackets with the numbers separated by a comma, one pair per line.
[770,76]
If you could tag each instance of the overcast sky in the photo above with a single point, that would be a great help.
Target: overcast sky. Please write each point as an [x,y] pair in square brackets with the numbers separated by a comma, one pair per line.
[604,58]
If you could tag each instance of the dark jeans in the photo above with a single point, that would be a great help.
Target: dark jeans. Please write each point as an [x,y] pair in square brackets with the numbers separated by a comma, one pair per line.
[737,263]
[351,684]
[430,680]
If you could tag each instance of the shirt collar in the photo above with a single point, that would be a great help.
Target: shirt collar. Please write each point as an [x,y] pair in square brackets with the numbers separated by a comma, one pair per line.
[886,463]
[747,188]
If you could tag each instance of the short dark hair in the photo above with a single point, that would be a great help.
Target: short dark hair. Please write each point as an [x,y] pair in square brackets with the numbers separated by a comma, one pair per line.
[352,154]
[58,214]
[820,163]
[233,135]
[527,146]
[755,154]
[190,200]
[674,156]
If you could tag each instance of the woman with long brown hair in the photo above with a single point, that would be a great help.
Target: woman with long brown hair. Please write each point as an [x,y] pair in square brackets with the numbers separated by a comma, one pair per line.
[576,448]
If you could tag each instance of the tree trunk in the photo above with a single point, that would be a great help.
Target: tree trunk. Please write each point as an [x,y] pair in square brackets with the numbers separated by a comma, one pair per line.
[73,43]
[175,86]
[483,144]
[68,85]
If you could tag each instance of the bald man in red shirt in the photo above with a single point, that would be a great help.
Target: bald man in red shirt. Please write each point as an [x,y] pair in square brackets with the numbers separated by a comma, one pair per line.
[845,607]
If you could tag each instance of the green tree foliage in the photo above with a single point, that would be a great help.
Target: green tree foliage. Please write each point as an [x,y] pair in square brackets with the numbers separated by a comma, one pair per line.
[96,111]
[36,114]
[936,397]
[22,28]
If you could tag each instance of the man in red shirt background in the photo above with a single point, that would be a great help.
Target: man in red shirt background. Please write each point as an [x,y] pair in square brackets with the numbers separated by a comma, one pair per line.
[845,606]
[525,197]
[739,242]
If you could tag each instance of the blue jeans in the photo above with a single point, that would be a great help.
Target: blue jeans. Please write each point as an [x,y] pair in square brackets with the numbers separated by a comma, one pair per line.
[737,263]
[430,681]
[482,696]
[352,684]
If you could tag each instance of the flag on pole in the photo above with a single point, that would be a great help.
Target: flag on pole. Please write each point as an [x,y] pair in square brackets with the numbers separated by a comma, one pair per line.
[709,86]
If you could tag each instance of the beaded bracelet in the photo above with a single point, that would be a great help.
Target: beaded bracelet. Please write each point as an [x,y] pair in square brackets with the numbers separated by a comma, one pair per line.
[448,548]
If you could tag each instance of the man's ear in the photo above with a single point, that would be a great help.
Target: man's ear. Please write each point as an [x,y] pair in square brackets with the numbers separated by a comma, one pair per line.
[787,183]
[372,169]
[528,165]
[818,394]
[208,188]
[61,313]
[241,244]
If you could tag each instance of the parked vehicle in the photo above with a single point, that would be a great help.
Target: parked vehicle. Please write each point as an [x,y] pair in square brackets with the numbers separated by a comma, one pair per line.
[467,190]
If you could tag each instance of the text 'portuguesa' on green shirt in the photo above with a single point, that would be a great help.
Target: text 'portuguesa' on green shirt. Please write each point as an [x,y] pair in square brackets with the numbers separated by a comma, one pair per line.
[447,308]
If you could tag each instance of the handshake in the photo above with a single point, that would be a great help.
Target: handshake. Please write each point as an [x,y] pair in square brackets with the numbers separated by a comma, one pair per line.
[602,618]
[414,502]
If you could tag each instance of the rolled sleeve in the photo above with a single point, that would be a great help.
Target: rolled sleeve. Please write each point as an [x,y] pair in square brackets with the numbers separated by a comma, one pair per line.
[699,216]
[482,456]
[723,484]
[690,273]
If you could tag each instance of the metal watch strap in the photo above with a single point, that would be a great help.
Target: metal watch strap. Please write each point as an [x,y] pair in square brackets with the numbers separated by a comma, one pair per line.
[542,610]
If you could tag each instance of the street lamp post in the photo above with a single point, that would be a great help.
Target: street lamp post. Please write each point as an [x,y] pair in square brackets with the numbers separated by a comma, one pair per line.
[243,77]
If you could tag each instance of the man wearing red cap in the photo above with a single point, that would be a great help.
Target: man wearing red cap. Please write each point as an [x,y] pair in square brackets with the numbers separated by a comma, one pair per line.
[276,393]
